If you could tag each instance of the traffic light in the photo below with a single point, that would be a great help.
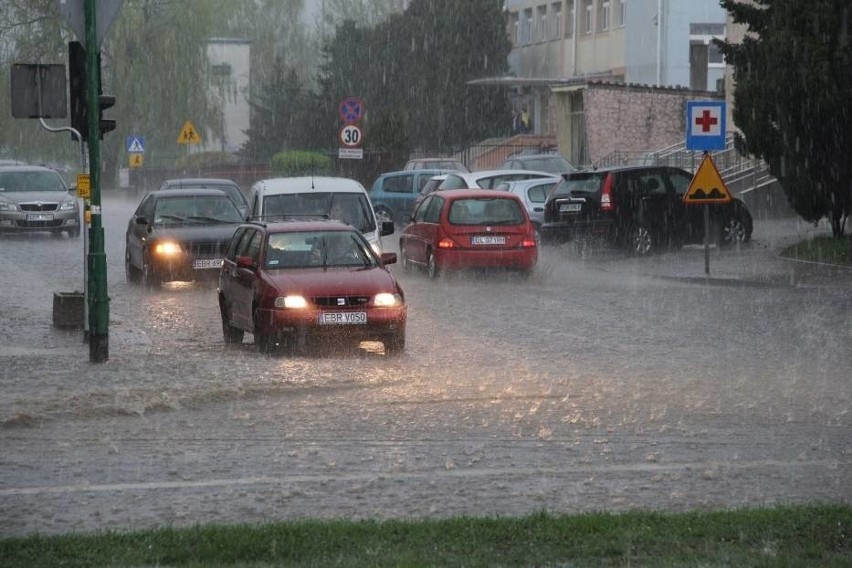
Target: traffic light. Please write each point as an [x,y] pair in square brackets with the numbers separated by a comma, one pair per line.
[77,88]
[78,93]
[105,124]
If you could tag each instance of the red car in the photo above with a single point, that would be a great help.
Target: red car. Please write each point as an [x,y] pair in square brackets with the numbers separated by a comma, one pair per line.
[293,281]
[469,228]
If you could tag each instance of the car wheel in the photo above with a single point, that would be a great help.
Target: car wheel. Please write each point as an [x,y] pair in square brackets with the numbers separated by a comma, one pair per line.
[640,241]
[431,265]
[133,275]
[232,335]
[74,232]
[150,276]
[733,231]
[395,344]
[403,260]
[382,215]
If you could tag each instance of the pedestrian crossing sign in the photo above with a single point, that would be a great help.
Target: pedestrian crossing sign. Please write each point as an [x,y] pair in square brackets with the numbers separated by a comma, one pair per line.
[707,186]
[188,134]
[135,144]
[136,160]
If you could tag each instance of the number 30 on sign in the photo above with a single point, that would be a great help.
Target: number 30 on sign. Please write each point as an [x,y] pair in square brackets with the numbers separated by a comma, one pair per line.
[350,136]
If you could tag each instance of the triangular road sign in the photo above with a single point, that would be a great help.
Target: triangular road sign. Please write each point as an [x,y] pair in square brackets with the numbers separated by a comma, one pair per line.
[707,185]
[188,134]
[135,145]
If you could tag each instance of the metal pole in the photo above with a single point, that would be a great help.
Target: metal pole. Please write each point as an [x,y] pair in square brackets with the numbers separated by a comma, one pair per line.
[99,302]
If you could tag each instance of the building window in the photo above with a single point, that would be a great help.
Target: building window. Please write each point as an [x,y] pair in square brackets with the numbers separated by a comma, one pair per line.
[541,24]
[587,17]
[603,16]
[569,28]
[556,9]
[714,54]
[622,12]
[527,27]
[513,29]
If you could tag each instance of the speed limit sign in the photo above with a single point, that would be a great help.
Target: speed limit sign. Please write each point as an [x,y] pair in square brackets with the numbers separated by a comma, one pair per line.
[350,136]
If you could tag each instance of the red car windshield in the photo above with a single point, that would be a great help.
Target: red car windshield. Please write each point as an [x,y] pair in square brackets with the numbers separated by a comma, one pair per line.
[318,249]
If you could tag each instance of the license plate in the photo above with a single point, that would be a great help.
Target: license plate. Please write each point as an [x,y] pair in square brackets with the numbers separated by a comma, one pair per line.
[570,207]
[488,240]
[40,217]
[342,318]
[204,263]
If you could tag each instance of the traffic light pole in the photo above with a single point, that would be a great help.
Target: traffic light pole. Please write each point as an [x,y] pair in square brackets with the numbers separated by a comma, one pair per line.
[96,259]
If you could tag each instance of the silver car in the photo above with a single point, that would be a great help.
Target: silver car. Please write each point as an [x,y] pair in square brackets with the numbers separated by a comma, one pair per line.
[35,198]
[533,194]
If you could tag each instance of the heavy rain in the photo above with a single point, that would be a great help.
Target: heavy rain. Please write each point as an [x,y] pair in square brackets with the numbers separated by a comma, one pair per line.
[603,381]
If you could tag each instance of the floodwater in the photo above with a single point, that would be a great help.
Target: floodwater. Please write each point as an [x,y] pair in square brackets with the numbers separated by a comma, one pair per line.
[602,383]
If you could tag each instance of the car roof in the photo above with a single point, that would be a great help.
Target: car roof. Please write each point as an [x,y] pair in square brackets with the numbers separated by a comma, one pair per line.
[455,194]
[177,182]
[27,168]
[188,192]
[472,176]
[424,171]
[534,181]
[307,184]
[300,225]
[608,169]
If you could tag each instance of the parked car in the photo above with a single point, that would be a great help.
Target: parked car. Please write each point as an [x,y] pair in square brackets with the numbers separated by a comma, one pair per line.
[488,179]
[296,281]
[328,197]
[553,163]
[533,194]
[469,228]
[179,234]
[230,187]
[35,198]
[393,193]
[640,208]
[446,164]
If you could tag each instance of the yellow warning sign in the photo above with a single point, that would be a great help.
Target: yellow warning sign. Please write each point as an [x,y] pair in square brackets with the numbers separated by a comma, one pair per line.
[84,186]
[188,134]
[707,185]
[136,160]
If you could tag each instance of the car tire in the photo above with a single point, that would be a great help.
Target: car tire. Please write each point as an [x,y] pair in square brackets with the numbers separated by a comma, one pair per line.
[150,277]
[403,260]
[733,231]
[395,344]
[232,335]
[382,215]
[74,233]
[131,273]
[432,265]
[640,240]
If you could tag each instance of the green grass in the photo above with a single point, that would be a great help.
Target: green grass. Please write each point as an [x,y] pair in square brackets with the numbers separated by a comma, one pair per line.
[822,249]
[812,535]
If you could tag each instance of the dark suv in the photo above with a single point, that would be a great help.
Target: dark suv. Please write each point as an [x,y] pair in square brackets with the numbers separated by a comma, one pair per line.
[640,208]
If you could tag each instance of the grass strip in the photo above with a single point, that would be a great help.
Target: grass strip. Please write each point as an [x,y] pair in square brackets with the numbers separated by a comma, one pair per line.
[806,535]
[822,249]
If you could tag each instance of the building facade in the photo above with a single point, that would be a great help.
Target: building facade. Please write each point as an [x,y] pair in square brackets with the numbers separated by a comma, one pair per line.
[229,75]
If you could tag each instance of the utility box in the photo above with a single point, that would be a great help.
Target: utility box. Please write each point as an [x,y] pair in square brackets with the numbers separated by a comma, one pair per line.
[68,310]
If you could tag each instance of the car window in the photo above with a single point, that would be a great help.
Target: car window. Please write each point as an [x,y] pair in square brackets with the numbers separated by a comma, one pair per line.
[195,209]
[432,213]
[539,193]
[349,207]
[253,246]
[680,181]
[11,182]
[588,182]
[552,164]
[453,182]
[399,184]
[315,248]
[485,211]
[422,181]
[421,209]
[235,240]
[652,184]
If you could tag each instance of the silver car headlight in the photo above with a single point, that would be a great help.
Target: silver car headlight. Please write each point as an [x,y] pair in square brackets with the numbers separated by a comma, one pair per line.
[7,206]
[68,205]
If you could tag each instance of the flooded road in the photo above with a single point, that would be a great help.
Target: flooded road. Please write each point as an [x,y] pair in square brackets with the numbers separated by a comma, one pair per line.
[595,385]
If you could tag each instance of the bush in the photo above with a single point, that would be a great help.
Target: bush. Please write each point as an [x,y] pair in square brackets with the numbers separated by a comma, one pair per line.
[300,163]
[205,159]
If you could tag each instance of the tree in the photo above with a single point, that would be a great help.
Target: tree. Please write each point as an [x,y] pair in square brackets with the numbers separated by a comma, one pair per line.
[793,99]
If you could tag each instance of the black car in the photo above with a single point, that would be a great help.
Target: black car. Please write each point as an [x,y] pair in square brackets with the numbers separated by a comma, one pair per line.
[640,208]
[230,187]
[179,234]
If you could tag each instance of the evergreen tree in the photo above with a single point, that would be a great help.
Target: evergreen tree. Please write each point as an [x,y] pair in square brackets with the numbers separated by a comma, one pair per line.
[793,99]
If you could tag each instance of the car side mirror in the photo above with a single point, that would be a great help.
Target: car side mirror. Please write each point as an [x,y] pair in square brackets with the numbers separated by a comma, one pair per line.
[245,262]
[387,228]
[388,258]
[141,220]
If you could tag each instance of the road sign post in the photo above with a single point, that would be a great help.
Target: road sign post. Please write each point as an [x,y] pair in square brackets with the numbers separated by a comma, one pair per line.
[351,111]
[707,187]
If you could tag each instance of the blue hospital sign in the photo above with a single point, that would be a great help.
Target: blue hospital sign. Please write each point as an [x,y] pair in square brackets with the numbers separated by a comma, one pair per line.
[705,125]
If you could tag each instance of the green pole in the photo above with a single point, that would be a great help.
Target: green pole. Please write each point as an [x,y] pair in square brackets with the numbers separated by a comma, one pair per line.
[96,259]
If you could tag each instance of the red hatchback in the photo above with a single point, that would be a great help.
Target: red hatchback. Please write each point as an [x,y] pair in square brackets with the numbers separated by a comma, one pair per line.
[469,228]
[290,281]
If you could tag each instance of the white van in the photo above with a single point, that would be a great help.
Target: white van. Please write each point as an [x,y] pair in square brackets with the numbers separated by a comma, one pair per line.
[333,197]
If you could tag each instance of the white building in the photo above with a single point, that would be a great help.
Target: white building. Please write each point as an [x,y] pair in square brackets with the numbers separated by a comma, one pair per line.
[229,75]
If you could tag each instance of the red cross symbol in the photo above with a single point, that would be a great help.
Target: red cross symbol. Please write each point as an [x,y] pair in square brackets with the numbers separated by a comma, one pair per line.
[706,121]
